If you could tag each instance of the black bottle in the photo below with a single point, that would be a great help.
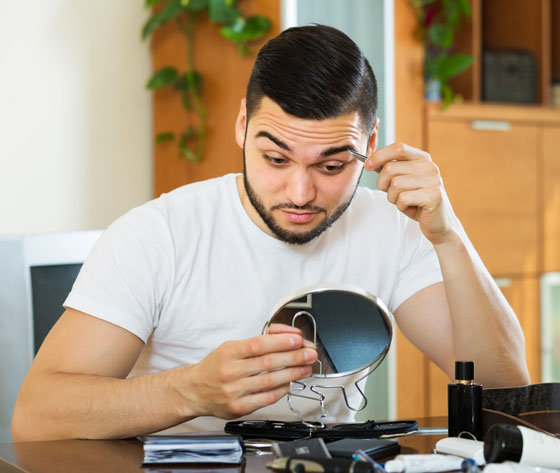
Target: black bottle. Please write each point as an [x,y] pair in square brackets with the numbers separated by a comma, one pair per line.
[464,402]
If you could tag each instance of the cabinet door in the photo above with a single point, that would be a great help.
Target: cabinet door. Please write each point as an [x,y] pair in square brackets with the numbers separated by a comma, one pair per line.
[491,180]
[551,198]
[523,295]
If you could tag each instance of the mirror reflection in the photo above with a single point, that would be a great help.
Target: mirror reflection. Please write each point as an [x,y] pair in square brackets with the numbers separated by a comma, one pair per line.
[351,328]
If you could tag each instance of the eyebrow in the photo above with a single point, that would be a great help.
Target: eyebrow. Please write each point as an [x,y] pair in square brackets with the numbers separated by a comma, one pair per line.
[276,141]
[324,154]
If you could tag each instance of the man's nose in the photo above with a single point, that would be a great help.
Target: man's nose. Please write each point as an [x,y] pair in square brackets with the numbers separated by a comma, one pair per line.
[300,188]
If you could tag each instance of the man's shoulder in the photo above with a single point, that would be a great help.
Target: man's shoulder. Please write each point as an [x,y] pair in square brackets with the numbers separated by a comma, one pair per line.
[183,203]
[373,199]
[202,196]
[198,190]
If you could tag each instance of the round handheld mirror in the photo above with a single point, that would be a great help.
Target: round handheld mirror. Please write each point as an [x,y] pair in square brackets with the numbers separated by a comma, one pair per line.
[351,328]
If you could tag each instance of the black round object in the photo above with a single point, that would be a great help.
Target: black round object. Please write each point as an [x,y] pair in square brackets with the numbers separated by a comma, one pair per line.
[503,442]
[464,370]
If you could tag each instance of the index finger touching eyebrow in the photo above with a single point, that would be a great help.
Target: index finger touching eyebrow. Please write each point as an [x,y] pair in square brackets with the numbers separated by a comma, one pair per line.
[395,152]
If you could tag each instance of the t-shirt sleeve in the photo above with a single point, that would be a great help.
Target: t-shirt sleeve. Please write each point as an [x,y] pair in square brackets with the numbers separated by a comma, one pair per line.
[127,277]
[418,264]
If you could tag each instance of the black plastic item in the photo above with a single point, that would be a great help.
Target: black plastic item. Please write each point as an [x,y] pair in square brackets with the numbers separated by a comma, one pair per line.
[374,448]
[509,76]
[281,430]
[503,442]
[464,403]
[326,465]
[464,371]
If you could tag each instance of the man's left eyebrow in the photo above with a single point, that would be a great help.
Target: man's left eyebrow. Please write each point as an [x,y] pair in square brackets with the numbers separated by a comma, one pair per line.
[331,151]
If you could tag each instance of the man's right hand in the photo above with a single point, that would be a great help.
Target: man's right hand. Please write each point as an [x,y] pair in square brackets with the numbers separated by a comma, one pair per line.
[242,376]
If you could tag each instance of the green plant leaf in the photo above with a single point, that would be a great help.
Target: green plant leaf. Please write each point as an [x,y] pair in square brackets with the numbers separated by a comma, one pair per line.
[158,19]
[162,78]
[196,79]
[189,133]
[190,155]
[453,65]
[194,5]
[464,7]
[151,3]
[441,35]
[186,101]
[165,136]
[447,95]
[181,82]
[244,30]
[255,27]
[233,32]
[223,11]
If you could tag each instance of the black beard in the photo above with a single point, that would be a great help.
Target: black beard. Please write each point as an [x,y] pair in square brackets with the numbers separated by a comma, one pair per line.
[284,235]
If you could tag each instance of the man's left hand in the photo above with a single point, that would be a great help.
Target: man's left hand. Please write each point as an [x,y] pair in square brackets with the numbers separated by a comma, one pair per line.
[413,183]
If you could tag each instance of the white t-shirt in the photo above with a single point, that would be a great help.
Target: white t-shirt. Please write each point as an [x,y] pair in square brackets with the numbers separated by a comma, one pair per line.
[190,270]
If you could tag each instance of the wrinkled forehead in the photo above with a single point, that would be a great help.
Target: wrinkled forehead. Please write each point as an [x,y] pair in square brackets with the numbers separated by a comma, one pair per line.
[270,118]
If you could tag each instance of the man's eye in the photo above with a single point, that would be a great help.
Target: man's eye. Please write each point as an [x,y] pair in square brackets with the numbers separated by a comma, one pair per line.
[332,168]
[275,161]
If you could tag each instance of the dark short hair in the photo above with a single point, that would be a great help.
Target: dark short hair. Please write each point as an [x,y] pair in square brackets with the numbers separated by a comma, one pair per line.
[314,72]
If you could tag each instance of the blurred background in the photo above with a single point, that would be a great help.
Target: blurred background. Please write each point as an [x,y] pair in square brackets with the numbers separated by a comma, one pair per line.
[475,83]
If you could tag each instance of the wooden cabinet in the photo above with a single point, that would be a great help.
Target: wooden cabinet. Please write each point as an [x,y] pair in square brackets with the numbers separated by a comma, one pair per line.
[504,185]
[551,197]
[491,179]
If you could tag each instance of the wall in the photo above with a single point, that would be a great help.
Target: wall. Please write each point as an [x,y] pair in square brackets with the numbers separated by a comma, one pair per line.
[75,120]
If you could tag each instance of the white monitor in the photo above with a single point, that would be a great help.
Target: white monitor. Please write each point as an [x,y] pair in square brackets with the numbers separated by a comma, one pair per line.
[36,274]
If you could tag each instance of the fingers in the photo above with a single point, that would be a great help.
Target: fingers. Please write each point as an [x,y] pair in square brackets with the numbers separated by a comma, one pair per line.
[282,328]
[257,389]
[407,183]
[263,344]
[274,361]
[426,199]
[400,174]
[250,403]
[395,152]
[243,375]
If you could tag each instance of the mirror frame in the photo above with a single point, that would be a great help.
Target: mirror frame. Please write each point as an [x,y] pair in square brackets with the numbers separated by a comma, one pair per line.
[325,287]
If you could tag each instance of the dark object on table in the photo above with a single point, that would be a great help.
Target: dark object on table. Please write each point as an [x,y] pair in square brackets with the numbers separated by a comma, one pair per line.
[536,406]
[301,448]
[280,430]
[188,448]
[373,448]
[319,465]
[509,76]
[464,403]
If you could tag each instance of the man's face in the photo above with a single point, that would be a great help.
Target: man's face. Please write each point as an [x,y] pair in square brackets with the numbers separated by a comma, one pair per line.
[298,176]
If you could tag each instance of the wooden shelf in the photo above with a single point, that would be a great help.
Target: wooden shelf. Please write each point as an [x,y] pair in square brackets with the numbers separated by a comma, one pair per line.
[511,25]
[494,111]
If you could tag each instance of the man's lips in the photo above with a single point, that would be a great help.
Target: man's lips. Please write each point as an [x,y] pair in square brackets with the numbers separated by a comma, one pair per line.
[299,217]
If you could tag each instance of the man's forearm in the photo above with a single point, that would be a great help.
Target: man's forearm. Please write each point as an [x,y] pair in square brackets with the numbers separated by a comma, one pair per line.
[61,405]
[485,328]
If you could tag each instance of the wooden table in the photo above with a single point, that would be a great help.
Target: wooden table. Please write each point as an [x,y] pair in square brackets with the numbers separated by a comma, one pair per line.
[85,456]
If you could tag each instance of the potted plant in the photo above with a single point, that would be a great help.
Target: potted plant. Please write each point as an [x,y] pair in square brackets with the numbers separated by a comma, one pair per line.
[188,83]
[438,21]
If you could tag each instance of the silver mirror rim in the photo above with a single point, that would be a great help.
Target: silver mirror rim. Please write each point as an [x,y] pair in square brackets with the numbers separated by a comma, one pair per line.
[323,287]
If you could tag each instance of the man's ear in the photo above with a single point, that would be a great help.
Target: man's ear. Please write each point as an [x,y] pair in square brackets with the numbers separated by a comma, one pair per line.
[241,124]
[372,145]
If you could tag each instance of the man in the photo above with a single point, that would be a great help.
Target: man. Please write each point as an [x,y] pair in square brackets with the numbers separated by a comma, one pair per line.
[162,325]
